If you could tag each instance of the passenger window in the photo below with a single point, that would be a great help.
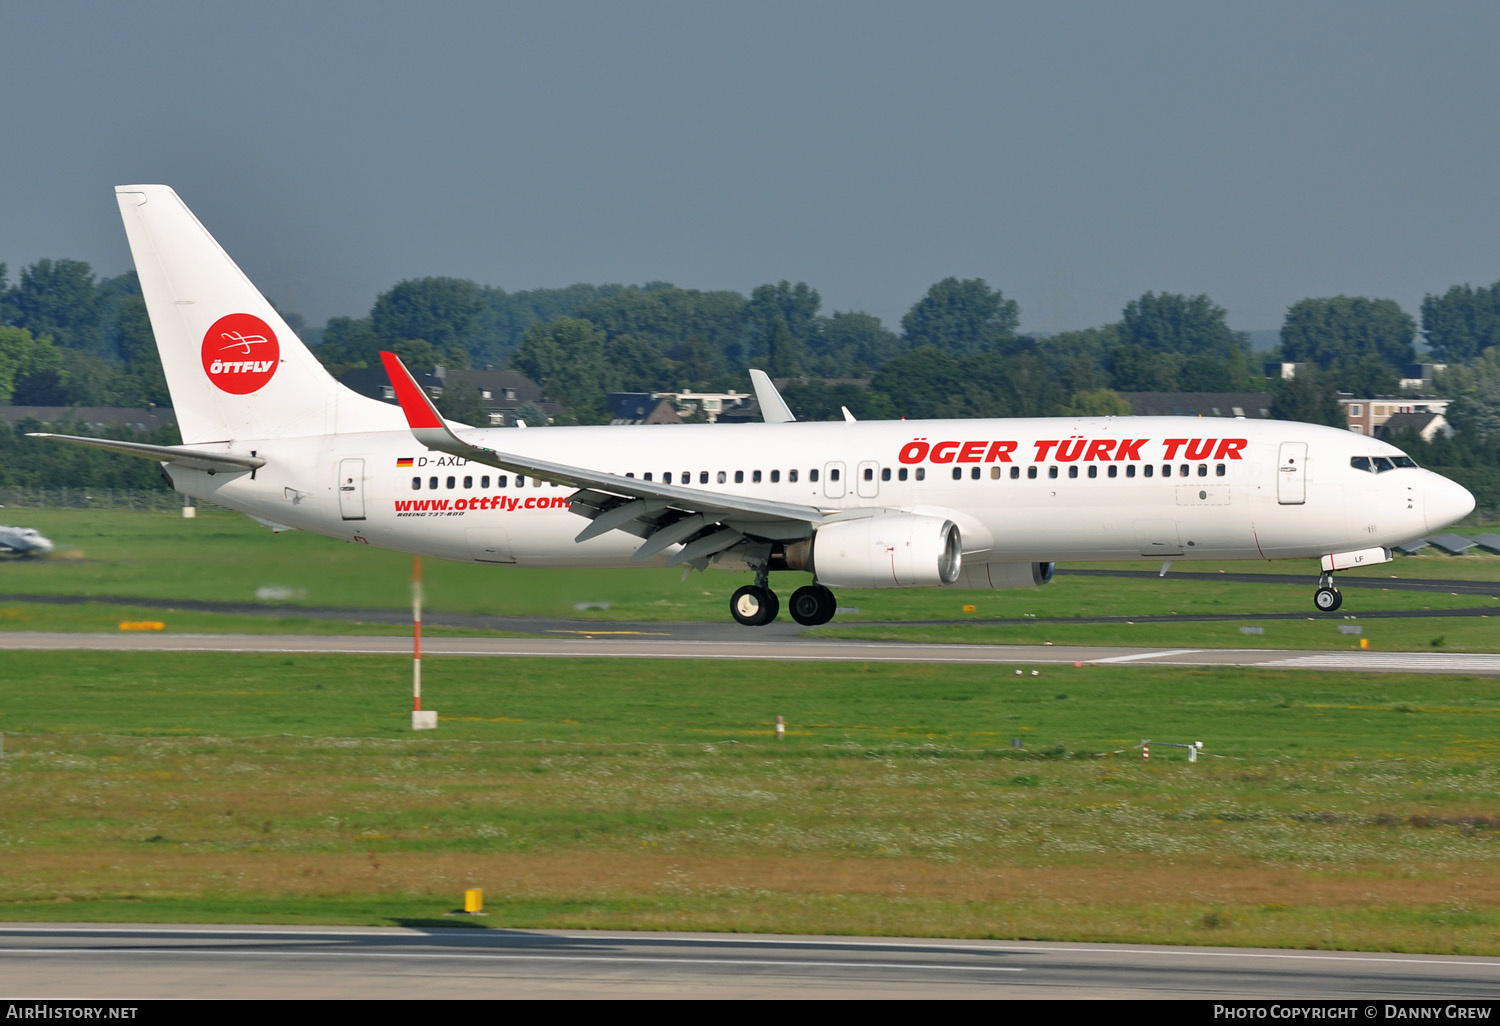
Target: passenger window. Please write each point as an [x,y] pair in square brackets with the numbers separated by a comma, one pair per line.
[833,475]
[1166,470]
[755,477]
[500,481]
[958,473]
[1130,470]
[1093,470]
[994,473]
[885,473]
[452,481]
[1183,470]
[812,475]
[666,477]
[484,482]
[520,480]
[1031,473]
[416,484]
[468,481]
[1015,472]
[869,473]
[703,477]
[432,482]
[974,474]
[630,473]
[791,476]
[1148,470]
[775,476]
[1219,470]
[1052,473]
[739,477]
[901,474]
[646,476]
[1203,470]
[921,473]
[1073,470]
[687,477]
[722,479]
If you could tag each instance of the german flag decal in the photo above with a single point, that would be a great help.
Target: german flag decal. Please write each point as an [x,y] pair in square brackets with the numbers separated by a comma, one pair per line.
[404,461]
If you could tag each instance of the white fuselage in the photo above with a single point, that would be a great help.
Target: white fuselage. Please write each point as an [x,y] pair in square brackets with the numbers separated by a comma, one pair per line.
[1054,489]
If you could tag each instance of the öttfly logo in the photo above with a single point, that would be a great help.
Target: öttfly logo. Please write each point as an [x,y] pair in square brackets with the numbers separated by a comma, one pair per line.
[240,353]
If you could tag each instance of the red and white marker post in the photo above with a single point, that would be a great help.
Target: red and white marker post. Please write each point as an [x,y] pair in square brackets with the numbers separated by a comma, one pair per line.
[419,720]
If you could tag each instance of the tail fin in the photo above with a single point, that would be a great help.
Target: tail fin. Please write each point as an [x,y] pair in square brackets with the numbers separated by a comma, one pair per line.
[235,369]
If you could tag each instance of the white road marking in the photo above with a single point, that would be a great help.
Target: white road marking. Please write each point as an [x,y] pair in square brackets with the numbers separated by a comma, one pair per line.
[1148,655]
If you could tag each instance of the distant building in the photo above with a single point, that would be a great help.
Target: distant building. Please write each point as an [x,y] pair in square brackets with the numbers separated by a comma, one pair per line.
[1366,416]
[1427,425]
[641,408]
[502,393]
[1418,377]
[1285,371]
[146,420]
[1252,405]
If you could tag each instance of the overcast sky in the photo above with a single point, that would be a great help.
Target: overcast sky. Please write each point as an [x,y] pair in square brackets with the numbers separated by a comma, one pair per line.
[1074,154]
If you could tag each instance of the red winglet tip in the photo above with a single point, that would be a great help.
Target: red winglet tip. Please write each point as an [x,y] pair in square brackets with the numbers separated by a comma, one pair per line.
[418,409]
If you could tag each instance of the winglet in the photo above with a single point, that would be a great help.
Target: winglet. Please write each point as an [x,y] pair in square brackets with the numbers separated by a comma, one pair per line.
[773,408]
[420,413]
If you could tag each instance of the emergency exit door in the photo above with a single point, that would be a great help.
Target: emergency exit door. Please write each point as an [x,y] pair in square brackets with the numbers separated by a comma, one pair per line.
[352,489]
[1291,474]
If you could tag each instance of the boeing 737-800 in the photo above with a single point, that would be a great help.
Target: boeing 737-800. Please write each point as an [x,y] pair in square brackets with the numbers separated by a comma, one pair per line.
[977,504]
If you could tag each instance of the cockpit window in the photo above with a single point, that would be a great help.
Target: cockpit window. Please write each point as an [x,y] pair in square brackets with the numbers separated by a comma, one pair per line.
[1380,464]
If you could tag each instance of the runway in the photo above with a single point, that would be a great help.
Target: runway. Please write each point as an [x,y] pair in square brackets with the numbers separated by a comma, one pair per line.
[609,643]
[142,962]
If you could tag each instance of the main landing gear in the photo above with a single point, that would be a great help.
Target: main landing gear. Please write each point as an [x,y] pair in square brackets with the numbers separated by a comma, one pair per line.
[756,605]
[1327,598]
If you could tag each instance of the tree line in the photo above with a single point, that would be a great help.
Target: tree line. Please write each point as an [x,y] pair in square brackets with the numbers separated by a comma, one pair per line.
[68,338]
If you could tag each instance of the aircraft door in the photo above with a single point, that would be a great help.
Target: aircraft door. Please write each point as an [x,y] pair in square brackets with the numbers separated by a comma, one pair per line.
[833,480]
[352,489]
[1291,474]
[867,479]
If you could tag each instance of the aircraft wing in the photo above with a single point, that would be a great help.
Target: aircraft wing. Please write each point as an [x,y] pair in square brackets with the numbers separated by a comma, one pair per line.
[663,514]
[197,459]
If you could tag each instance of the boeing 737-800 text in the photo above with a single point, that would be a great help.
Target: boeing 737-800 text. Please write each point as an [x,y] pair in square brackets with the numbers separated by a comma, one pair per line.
[975,504]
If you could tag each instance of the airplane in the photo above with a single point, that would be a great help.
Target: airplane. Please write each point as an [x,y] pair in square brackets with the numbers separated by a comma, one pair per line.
[23,541]
[963,504]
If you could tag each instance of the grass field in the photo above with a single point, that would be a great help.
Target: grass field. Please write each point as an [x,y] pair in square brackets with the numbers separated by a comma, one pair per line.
[224,557]
[1326,812]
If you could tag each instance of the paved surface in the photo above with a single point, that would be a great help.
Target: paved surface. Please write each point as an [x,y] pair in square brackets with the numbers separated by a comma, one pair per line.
[84,961]
[610,644]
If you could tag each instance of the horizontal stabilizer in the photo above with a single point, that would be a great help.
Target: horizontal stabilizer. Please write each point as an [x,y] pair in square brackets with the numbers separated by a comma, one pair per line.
[196,459]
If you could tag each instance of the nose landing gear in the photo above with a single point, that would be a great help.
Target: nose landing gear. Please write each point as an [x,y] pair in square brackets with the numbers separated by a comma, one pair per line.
[1327,598]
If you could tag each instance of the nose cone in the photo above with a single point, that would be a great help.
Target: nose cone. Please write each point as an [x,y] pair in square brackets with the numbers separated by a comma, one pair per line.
[1447,502]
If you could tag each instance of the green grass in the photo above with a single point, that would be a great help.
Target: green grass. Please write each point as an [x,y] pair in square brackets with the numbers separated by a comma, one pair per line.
[225,557]
[1326,811]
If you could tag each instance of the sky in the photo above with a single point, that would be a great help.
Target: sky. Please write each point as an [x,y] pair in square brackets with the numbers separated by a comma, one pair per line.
[1074,154]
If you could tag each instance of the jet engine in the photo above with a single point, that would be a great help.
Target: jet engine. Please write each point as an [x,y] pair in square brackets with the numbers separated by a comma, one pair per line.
[894,550]
[995,576]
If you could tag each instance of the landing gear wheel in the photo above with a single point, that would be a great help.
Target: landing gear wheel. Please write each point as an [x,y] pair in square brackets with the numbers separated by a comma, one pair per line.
[812,605]
[1328,599]
[754,606]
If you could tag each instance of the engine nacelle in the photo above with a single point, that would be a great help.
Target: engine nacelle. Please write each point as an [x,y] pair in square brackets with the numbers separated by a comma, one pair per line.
[894,550]
[995,576]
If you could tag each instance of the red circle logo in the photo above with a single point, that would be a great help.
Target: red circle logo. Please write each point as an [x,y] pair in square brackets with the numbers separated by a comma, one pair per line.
[240,353]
